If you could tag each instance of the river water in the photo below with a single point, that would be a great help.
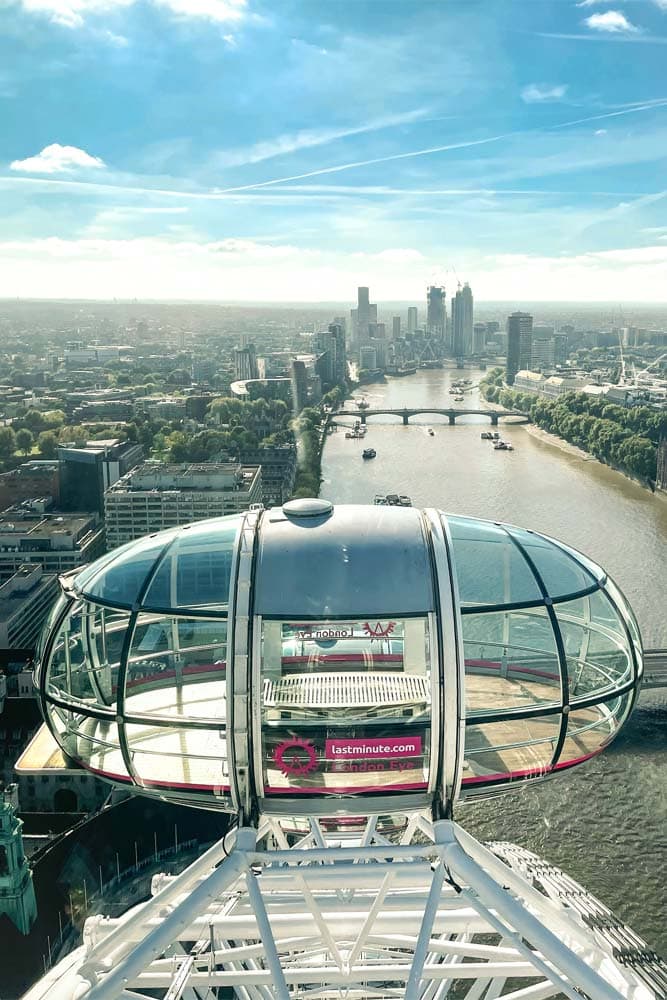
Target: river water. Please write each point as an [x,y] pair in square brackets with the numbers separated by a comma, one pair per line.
[606,822]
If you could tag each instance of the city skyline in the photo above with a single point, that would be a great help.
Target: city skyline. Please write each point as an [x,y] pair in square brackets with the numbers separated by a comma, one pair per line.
[226,150]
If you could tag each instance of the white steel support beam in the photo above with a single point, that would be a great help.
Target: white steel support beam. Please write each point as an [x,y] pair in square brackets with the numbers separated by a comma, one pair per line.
[359,919]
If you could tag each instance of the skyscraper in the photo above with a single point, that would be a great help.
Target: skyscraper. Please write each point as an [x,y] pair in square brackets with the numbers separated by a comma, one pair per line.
[519,344]
[413,319]
[365,313]
[462,324]
[436,312]
[396,327]
[245,362]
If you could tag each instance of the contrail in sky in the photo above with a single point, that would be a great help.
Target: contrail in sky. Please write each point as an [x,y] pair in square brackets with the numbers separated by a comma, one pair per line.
[437,149]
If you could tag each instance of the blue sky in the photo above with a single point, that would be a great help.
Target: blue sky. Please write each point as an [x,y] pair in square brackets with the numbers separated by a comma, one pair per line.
[247,150]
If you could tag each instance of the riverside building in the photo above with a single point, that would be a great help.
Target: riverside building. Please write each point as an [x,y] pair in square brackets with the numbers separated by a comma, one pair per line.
[156,496]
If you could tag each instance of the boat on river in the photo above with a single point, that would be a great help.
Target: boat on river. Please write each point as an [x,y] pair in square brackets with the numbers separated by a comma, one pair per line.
[392,500]
[503,446]
[431,432]
[369,453]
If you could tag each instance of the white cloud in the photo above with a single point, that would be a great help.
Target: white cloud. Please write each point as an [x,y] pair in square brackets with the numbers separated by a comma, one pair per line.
[247,270]
[57,159]
[212,10]
[613,21]
[600,131]
[72,13]
[535,93]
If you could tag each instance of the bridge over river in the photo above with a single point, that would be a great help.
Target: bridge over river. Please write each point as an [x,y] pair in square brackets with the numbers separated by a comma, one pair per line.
[452,414]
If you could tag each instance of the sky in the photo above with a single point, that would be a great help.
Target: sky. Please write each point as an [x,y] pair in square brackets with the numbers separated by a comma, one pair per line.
[247,150]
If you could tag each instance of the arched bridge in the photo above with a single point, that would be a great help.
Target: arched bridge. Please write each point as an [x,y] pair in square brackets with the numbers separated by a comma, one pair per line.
[452,414]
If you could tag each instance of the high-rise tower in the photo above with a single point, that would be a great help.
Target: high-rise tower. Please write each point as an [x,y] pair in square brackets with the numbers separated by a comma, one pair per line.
[436,311]
[519,344]
[462,322]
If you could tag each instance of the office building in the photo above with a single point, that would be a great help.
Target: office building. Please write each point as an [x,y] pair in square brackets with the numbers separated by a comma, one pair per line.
[278,464]
[87,472]
[362,317]
[379,344]
[541,352]
[332,368]
[396,327]
[58,543]
[156,496]
[299,380]
[413,318]
[462,323]
[560,348]
[519,344]
[245,363]
[25,600]
[436,312]
[367,358]
[30,480]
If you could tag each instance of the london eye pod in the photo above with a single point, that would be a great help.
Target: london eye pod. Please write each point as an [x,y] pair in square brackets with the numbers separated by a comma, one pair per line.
[338,678]
[318,660]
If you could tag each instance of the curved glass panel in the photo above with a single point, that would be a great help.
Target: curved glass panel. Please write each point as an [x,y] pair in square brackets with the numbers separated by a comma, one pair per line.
[123,579]
[596,646]
[178,757]
[346,706]
[54,614]
[92,742]
[68,672]
[86,655]
[88,573]
[196,571]
[590,729]
[562,572]
[512,749]
[628,616]
[177,668]
[490,569]
[511,661]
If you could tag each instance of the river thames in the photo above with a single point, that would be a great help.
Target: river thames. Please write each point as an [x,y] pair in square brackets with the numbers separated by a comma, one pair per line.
[606,822]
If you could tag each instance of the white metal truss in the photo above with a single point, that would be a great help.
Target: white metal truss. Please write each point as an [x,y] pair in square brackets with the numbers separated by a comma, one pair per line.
[431,913]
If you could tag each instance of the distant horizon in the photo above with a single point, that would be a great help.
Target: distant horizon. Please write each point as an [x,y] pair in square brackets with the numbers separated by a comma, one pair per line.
[328,303]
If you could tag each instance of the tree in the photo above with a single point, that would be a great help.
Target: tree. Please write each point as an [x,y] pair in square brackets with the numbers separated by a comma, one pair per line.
[7,442]
[35,421]
[24,440]
[47,443]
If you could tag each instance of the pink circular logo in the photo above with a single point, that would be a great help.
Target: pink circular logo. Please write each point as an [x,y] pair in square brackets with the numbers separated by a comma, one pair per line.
[295,757]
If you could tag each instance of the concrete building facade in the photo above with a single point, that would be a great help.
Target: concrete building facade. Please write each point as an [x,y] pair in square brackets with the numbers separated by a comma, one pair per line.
[25,600]
[156,496]
[58,543]
[519,344]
